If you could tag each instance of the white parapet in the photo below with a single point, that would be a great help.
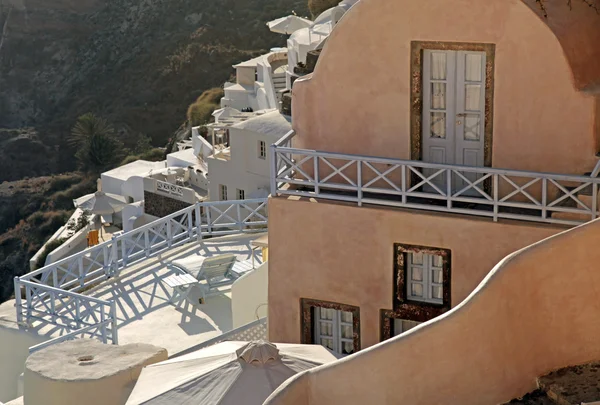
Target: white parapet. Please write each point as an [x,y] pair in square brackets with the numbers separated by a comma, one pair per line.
[86,371]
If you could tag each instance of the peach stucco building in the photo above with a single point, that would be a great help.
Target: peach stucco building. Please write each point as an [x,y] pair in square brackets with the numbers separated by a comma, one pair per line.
[434,139]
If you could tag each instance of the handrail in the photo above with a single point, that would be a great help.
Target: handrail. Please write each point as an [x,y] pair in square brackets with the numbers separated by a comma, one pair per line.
[284,139]
[68,336]
[54,288]
[427,165]
[482,191]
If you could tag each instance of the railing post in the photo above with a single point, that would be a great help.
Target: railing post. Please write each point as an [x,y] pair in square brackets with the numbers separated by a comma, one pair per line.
[115,256]
[78,314]
[81,273]
[147,242]
[544,197]
[124,253]
[208,221]
[359,182]
[106,258]
[190,223]
[198,222]
[404,196]
[169,233]
[239,217]
[449,188]
[496,194]
[103,324]
[273,152]
[28,301]
[316,175]
[594,200]
[18,303]
[55,277]
[115,329]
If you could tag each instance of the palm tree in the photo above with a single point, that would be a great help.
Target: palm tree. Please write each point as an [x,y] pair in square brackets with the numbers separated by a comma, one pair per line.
[87,126]
[97,146]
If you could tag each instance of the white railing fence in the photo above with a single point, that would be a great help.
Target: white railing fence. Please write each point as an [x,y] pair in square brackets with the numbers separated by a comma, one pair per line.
[53,293]
[481,191]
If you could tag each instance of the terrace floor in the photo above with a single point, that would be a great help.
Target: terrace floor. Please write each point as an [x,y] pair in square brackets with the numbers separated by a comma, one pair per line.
[144,311]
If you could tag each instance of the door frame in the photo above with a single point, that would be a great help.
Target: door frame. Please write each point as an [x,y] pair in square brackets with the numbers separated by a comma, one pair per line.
[416,92]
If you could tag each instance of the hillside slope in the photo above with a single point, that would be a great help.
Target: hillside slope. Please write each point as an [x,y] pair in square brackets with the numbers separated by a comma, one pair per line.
[138,63]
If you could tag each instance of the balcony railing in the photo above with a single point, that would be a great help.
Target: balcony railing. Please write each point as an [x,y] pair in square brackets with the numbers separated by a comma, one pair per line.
[480,191]
[52,294]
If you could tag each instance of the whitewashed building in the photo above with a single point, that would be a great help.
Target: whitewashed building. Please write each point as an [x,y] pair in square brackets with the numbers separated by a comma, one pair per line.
[239,168]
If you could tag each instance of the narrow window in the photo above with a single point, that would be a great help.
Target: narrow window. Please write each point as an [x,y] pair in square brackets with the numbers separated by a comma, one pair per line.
[241,194]
[262,149]
[222,192]
[425,277]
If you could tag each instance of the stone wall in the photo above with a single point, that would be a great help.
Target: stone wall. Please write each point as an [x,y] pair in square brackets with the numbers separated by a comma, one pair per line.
[161,205]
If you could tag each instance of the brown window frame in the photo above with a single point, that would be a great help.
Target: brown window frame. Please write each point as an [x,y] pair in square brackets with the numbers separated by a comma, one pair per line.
[411,310]
[307,306]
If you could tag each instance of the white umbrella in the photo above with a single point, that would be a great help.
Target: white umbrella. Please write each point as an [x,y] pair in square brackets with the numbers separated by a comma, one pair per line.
[228,373]
[289,24]
[101,203]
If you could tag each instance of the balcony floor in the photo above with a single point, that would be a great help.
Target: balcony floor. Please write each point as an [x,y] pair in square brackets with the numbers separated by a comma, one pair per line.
[144,311]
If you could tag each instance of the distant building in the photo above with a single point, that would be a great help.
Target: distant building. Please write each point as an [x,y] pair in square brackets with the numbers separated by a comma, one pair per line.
[239,167]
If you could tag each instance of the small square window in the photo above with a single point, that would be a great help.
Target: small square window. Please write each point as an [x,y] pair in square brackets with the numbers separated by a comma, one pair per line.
[402,325]
[424,277]
[335,326]
[262,149]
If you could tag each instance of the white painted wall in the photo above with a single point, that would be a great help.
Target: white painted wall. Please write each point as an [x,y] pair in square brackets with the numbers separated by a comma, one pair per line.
[74,244]
[249,296]
[133,188]
[14,349]
[245,170]
[130,214]
[245,75]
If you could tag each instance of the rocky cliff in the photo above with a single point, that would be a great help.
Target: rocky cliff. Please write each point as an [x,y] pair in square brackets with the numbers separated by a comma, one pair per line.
[139,63]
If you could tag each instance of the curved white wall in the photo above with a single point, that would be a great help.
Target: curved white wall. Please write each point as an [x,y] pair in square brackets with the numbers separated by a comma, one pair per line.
[249,296]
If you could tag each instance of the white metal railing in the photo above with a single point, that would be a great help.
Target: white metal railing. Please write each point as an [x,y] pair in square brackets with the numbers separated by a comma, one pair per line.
[481,191]
[74,314]
[52,293]
[90,332]
[169,188]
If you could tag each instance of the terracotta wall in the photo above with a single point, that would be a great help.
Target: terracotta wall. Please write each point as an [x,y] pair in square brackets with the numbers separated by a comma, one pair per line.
[345,254]
[536,311]
[358,98]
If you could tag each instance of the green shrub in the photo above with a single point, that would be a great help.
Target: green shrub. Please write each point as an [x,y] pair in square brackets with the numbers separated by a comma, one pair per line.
[41,260]
[200,111]
[60,183]
[36,218]
[53,221]
[64,199]
[152,155]
[316,7]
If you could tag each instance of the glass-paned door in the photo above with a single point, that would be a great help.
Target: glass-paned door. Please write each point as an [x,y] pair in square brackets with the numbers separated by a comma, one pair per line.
[334,329]
[453,113]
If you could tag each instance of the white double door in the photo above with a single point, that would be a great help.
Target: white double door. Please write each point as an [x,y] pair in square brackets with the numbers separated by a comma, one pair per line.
[453,112]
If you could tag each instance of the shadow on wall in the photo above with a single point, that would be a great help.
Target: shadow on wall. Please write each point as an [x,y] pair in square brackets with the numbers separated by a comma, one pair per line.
[536,311]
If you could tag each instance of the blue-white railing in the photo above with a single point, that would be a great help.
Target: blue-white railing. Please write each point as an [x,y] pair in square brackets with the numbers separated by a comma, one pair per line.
[53,294]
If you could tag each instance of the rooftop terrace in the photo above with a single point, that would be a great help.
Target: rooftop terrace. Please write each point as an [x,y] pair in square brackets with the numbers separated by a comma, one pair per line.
[144,312]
